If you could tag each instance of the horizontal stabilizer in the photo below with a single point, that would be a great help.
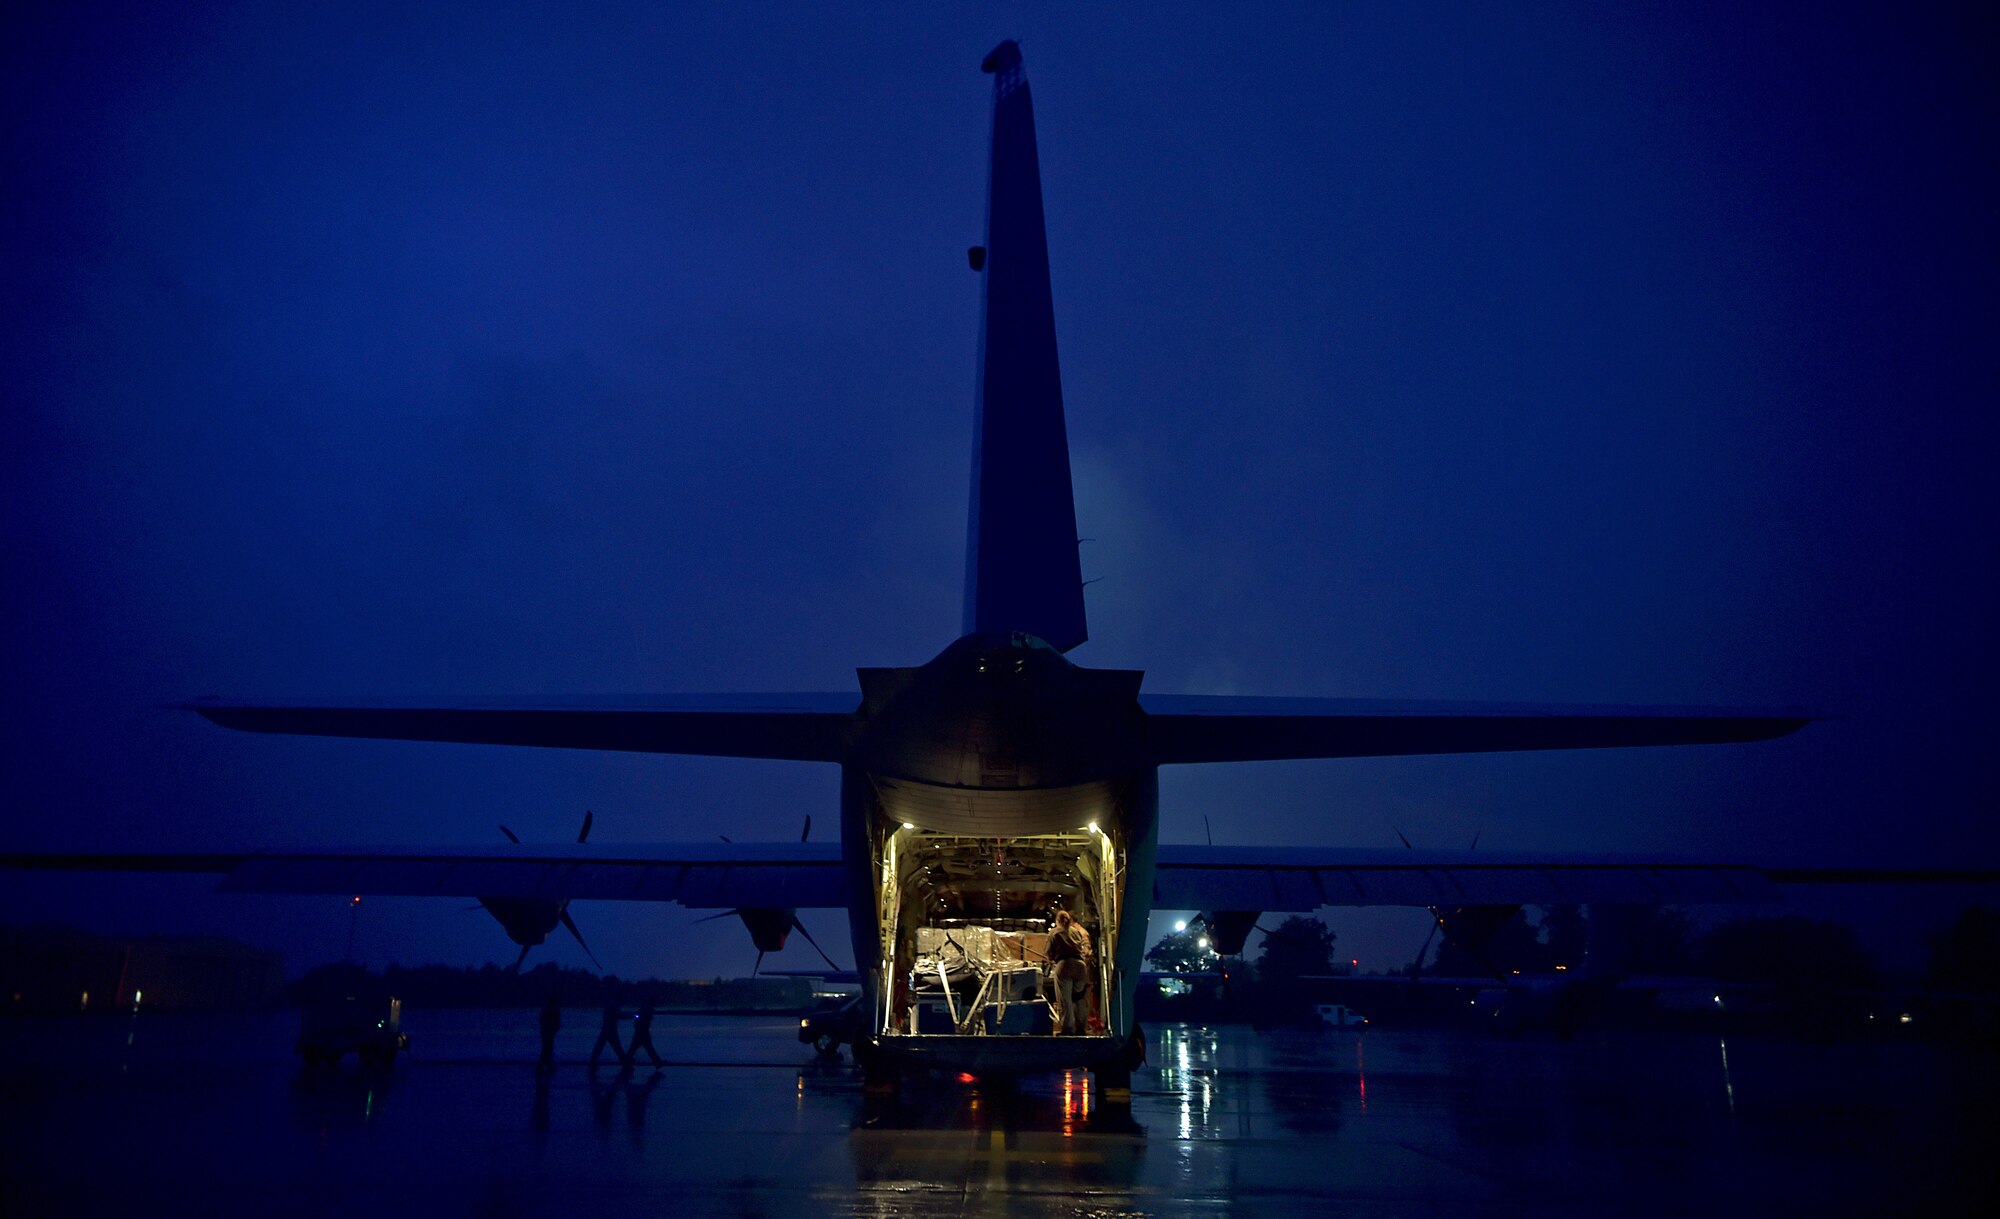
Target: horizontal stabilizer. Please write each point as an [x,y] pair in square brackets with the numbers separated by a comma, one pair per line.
[1204,728]
[790,727]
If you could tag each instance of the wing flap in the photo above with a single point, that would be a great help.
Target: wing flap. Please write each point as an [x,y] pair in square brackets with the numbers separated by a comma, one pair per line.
[701,876]
[1302,879]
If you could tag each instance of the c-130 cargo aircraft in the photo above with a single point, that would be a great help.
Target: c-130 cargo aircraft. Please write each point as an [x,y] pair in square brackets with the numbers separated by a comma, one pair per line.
[1000,781]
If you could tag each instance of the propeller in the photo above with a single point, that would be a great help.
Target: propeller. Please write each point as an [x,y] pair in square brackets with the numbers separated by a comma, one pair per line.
[709,918]
[793,924]
[1437,916]
[815,943]
[570,923]
[528,920]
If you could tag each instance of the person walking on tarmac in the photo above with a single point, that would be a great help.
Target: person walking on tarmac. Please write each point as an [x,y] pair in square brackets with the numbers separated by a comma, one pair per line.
[551,1020]
[642,1034]
[607,1033]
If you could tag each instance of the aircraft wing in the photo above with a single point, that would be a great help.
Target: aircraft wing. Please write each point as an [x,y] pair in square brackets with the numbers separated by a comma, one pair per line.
[702,876]
[790,727]
[1216,728]
[1306,878]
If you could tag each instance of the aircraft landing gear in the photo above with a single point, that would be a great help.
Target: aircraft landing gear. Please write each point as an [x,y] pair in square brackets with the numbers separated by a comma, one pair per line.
[879,1076]
[1114,1078]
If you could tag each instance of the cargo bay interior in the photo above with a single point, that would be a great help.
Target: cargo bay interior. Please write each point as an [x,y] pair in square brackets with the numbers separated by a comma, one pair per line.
[966,923]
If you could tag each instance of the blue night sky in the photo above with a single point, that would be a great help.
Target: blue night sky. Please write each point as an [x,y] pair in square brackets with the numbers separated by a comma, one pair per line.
[1594,353]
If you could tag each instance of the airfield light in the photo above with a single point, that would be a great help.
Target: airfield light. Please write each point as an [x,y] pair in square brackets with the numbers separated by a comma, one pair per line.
[1203,941]
[1718,1001]
[1179,925]
[136,996]
[1903,1019]
[1560,968]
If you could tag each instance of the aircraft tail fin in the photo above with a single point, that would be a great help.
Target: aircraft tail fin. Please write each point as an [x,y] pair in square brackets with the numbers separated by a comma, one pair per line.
[1022,571]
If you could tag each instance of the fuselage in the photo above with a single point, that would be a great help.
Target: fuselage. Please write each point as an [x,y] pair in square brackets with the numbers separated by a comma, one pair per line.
[989,789]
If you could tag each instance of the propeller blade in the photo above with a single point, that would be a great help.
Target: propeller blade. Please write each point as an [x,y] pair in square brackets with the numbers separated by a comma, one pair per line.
[807,832]
[570,923]
[724,837]
[1475,838]
[585,831]
[1406,841]
[510,835]
[754,969]
[516,966]
[709,918]
[815,943]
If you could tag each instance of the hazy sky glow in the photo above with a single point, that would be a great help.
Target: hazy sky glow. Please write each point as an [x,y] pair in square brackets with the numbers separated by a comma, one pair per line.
[1594,354]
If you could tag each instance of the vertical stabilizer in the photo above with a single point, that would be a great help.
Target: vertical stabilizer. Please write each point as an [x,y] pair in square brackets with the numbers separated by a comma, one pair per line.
[1021,566]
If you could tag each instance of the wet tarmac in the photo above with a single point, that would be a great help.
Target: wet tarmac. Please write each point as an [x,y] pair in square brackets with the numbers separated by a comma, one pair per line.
[204,1115]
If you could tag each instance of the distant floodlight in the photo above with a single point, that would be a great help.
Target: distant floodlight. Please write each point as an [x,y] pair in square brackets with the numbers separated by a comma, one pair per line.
[1203,942]
[1180,924]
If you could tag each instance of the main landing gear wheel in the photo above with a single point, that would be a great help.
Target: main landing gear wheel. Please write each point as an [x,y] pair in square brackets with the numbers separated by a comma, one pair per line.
[826,1045]
[1114,1078]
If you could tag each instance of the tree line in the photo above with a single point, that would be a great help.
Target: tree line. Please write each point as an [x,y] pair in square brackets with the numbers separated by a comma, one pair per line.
[1786,951]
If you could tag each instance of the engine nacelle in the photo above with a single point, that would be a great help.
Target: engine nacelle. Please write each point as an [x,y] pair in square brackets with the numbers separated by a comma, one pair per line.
[1228,929]
[527,921]
[769,928]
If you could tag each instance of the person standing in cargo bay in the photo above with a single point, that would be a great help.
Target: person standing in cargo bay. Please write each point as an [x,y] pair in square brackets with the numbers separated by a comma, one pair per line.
[1068,976]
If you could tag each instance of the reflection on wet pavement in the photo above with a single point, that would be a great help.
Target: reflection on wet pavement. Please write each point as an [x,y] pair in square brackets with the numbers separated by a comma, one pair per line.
[1222,1121]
